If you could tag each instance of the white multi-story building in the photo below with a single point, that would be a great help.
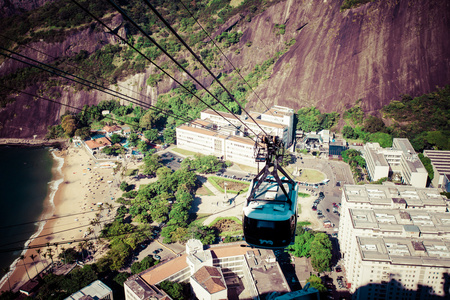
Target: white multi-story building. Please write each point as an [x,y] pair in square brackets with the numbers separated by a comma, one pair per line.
[401,158]
[395,241]
[218,272]
[277,121]
[209,142]
[376,163]
[412,169]
[440,160]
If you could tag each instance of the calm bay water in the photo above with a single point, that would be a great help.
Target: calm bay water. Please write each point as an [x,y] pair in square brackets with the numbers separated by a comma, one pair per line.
[25,174]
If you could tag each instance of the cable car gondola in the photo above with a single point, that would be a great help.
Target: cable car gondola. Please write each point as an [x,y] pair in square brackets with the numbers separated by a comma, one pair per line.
[270,212]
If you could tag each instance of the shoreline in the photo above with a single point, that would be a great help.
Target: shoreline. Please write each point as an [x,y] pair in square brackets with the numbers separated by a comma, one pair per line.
[78,184]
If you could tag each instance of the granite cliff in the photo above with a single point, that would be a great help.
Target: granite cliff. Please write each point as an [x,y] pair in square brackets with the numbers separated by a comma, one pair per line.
[375,53]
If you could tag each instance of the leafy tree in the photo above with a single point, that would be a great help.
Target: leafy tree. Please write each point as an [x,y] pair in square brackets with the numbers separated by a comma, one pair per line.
[83,133]
[302,244]
[321,252]
[316,283]
[69,124]
[148,120]
[145,264]
[426,161]
[373,124]
[115,138]
[151,164]
[169,135]
[121,278]
[311,119]
[173,289]
[151,135]
[133,139]
[384,139]
[349,133]
[123,186]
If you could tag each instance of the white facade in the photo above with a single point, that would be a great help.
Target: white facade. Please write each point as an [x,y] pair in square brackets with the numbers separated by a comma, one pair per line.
[277,121]
[96,290]
[401,158]
[440,160]
[376,163]
[229,147]
[281,115]
[394,239]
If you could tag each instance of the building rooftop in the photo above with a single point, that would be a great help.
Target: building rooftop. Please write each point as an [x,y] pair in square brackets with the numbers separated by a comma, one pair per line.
[378,158]
[279,110]
[266,272]
[397,196]
[144,290]
[96,290]
[100,142]
[224,114]
[198,130]
[211,279]
[264,123]
[440,160]
[425,222]
[161,271]
[405,251]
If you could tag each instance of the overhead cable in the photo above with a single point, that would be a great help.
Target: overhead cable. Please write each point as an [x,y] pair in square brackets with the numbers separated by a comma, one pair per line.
[229,61]
[99,87]
[200,61]
[147,58]
[181,67]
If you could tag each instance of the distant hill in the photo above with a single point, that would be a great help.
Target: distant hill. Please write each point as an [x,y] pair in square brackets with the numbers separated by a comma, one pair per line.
[296,53]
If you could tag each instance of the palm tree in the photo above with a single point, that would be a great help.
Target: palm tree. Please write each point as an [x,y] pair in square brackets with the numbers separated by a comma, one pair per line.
[32,256]
[6,271]
[81,248]
[45,257]
[38,251]
[50,254]
[63,253]
[22,257]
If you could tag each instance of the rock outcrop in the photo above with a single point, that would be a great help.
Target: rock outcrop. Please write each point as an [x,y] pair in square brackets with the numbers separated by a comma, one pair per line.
[375,53]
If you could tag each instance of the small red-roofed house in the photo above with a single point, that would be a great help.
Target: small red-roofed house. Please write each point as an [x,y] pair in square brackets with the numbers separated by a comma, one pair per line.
[98,144]
[208,283]
[112,129]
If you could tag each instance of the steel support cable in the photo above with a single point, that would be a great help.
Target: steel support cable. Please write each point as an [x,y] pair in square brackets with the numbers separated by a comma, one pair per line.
[78,68]
[147,58]
[63,104]
[201,62]
[55,218]
[181,67]
[144,231]
[212,40]
[149,106]
[52,233]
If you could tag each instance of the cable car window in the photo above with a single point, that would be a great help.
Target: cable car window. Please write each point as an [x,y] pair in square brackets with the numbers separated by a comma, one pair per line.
[265,224]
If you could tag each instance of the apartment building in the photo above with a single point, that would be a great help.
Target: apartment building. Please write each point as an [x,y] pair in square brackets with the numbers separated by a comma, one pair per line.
[401,159]
[395,241]
[210,142]
[440,160]
[217,272]
[277,121]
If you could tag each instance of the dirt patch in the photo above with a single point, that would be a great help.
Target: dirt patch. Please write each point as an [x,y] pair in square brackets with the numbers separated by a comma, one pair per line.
[231,185]
[227,225]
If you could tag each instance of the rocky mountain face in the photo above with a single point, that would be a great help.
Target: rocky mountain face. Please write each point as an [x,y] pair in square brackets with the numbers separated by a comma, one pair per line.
[375,53]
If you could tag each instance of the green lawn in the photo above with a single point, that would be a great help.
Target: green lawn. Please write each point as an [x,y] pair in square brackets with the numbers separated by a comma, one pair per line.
[303,195]
[311,176]
[204,191]
[233,186]
[184,152]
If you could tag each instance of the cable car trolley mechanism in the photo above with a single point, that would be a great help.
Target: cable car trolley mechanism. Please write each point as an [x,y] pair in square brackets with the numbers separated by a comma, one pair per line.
[270,212]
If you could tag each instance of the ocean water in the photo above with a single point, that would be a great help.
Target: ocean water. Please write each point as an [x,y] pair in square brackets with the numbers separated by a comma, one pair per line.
[25,183]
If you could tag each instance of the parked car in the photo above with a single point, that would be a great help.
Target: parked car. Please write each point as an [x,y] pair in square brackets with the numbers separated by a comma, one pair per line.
[157,257]
[338,269]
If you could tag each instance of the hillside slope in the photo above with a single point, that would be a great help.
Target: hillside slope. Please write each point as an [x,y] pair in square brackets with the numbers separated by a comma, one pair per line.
[375,53]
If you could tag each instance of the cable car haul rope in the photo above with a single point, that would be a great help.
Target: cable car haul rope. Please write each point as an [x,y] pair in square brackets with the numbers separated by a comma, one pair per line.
[270,212]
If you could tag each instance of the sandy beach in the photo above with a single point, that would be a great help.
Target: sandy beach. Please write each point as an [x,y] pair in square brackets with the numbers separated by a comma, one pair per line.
[84,184]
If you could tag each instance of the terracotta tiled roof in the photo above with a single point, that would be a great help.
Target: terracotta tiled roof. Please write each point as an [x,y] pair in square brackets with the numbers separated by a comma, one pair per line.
[112,128]
[164,270]
[210,279]
[101,142]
